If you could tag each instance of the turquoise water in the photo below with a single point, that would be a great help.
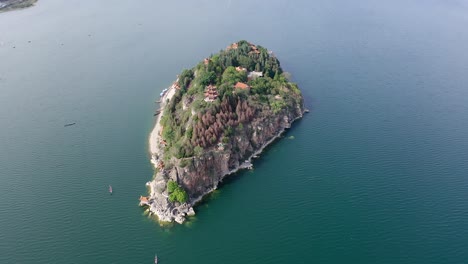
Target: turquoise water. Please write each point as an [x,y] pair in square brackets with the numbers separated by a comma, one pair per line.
[376,173]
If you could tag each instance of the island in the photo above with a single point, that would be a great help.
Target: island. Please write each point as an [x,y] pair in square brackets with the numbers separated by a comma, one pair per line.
[6,5]
[212,121]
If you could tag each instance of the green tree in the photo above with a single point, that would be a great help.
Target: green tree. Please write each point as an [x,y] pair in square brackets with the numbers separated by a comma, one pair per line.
[168,134]
[176,193]
[276,106]
[261,85]
[185,78]
[171,186]
[189,132]
[181,195]
[198,151]
[207,77]
[257,67]
[231,76]
[246,62]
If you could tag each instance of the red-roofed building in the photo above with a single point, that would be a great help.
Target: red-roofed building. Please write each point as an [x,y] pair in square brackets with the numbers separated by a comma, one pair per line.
[240,85]
[210,93]
[143,200]
[233,46]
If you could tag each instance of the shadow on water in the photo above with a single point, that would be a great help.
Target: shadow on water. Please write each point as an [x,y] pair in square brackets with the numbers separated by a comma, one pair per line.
[256,162]
[231,179]
[309,101]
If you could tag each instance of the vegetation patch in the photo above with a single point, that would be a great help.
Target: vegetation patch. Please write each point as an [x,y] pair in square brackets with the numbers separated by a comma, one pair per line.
[176,193]
[221,96]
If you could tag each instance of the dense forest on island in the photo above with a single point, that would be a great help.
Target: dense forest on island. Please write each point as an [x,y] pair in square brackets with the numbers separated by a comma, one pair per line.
[220,96]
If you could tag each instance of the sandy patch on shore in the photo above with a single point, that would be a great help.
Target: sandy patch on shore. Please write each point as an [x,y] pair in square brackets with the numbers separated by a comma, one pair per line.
[154,138]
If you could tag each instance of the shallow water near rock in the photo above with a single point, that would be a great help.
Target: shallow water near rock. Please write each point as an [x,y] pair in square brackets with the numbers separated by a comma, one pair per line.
[376,172]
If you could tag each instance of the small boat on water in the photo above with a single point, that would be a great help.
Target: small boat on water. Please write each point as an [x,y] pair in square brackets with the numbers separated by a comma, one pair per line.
[110,189]
[155,259]
[69,124]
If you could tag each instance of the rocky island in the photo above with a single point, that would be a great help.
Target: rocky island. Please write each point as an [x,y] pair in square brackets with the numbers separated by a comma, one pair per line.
[213,119]
[6,5]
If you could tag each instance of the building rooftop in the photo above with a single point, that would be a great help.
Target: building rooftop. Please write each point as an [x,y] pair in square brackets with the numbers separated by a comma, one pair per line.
[210,93]
[240,85]
[143,200]
[254,74]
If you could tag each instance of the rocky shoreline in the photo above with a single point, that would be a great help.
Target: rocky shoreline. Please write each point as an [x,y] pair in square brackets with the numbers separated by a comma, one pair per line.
[158,200]
[7,5]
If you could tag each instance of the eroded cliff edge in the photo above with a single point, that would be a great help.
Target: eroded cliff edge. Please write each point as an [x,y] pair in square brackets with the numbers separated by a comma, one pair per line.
[213,119]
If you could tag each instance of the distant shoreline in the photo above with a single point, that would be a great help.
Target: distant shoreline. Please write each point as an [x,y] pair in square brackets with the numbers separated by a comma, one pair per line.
[8,5]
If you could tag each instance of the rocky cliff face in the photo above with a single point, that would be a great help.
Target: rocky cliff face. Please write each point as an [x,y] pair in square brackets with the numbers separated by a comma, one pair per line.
[201,175]
[215,117]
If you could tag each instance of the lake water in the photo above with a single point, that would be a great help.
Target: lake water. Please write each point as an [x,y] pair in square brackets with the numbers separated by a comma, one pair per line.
[376,173]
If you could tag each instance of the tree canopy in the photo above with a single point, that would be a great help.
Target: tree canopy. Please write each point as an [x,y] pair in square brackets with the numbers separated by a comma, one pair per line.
[191,125]
[176,193]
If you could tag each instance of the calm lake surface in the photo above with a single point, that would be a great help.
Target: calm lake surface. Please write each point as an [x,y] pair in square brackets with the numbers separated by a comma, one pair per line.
[376,173]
